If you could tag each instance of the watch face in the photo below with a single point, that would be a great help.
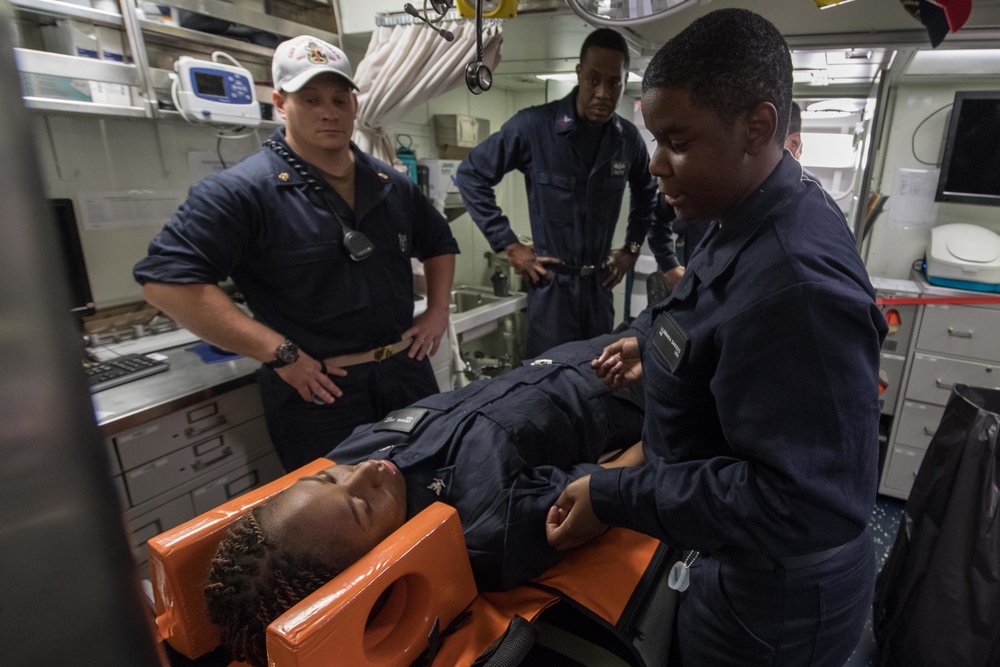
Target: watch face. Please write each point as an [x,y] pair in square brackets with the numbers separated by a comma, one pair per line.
[287,352]
[633,248]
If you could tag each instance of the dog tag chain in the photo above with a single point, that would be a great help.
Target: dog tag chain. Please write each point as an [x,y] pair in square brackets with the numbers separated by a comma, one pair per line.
[680,575]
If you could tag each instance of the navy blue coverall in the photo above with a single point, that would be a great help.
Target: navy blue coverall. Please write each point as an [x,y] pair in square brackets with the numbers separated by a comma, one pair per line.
[502,450]
[259,223]
[573,206]
[761,435]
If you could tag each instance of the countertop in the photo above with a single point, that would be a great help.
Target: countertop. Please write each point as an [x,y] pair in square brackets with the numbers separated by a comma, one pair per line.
[188,381]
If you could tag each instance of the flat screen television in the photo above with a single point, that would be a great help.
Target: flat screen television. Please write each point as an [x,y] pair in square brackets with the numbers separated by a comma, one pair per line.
[73,263]
[970,168]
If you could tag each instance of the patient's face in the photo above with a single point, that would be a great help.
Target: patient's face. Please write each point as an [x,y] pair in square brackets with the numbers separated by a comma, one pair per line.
[343,511]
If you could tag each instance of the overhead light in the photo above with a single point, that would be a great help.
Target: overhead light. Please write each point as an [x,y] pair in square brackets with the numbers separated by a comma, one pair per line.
[967,61]
[571,76]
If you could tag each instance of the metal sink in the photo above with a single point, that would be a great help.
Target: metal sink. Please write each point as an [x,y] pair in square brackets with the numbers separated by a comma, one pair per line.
[477,310]
[466,299]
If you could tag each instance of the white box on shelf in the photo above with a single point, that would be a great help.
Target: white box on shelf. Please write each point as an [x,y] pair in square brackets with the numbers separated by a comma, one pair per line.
[110,47]
[441,181]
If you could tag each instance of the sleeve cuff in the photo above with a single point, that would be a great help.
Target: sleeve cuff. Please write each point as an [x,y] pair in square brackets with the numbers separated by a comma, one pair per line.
[667,263]
[604,495]
[505,239]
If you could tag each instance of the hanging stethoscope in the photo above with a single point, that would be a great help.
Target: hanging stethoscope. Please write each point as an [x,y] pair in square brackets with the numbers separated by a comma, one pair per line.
[478,76]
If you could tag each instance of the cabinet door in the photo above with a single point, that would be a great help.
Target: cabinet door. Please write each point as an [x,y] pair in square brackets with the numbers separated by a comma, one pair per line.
[964,331]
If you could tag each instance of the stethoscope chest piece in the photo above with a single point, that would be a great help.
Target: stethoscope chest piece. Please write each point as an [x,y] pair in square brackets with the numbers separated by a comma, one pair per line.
[478,77]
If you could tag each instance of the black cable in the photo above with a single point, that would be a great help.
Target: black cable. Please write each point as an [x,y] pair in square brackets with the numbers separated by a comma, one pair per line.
[479,30]
[218,151]
[913,137]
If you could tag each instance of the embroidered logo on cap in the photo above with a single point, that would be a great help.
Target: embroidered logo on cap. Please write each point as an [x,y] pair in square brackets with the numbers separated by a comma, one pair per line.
[315,54]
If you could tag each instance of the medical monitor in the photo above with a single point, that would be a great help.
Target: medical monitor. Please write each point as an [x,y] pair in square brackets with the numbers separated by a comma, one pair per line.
[970,168]
[71,255]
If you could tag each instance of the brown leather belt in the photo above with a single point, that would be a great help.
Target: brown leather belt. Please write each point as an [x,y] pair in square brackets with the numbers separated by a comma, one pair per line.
[378,354]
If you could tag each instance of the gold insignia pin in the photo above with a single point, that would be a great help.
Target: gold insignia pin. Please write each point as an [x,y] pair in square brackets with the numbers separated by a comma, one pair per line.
[283,176]
[384,176]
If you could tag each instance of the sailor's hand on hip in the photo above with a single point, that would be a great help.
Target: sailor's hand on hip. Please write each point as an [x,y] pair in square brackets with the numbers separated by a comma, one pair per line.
[618,265]
[527,264]
[427,330]
[308,378]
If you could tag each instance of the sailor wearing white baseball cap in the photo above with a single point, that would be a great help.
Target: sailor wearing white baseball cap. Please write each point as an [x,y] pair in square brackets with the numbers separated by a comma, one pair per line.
[318,236]
[301,58]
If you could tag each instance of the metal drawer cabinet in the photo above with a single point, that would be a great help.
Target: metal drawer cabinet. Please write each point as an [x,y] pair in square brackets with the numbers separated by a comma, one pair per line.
[150,524]
[961,331]
[932,378]
[236,482]
[900,471]
[180,429]
[193,461]
[917,424]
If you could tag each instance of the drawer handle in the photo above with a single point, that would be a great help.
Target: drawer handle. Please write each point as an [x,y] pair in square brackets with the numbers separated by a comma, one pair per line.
[192,431]
[960,334]
[929,431]
[198,464]
[943,385]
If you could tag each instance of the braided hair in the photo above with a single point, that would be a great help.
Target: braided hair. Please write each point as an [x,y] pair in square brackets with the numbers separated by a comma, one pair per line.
[252,581]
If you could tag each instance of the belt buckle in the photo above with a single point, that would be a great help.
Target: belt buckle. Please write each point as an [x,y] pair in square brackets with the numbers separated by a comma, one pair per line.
[587,269]
[382,353]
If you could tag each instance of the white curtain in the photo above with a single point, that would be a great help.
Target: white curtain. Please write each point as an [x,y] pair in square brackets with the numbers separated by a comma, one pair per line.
[405,66]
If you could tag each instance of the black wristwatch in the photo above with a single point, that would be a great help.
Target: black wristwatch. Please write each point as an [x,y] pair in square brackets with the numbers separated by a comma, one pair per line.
[632,248]
[286,353]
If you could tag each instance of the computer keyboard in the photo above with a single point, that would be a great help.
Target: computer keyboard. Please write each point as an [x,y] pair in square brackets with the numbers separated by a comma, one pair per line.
[143,345]
[113,372]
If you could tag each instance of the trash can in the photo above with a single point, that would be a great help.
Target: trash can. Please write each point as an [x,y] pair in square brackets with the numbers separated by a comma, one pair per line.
[937,598]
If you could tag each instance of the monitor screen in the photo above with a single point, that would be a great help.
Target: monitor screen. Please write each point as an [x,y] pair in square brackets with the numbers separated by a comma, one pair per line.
[72,257]
[970,168]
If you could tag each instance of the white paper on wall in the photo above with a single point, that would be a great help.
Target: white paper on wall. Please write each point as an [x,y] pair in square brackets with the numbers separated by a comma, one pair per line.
[912,204]
[120,209]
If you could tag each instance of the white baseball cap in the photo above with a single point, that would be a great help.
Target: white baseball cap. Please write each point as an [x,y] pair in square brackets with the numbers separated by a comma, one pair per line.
[299,59]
